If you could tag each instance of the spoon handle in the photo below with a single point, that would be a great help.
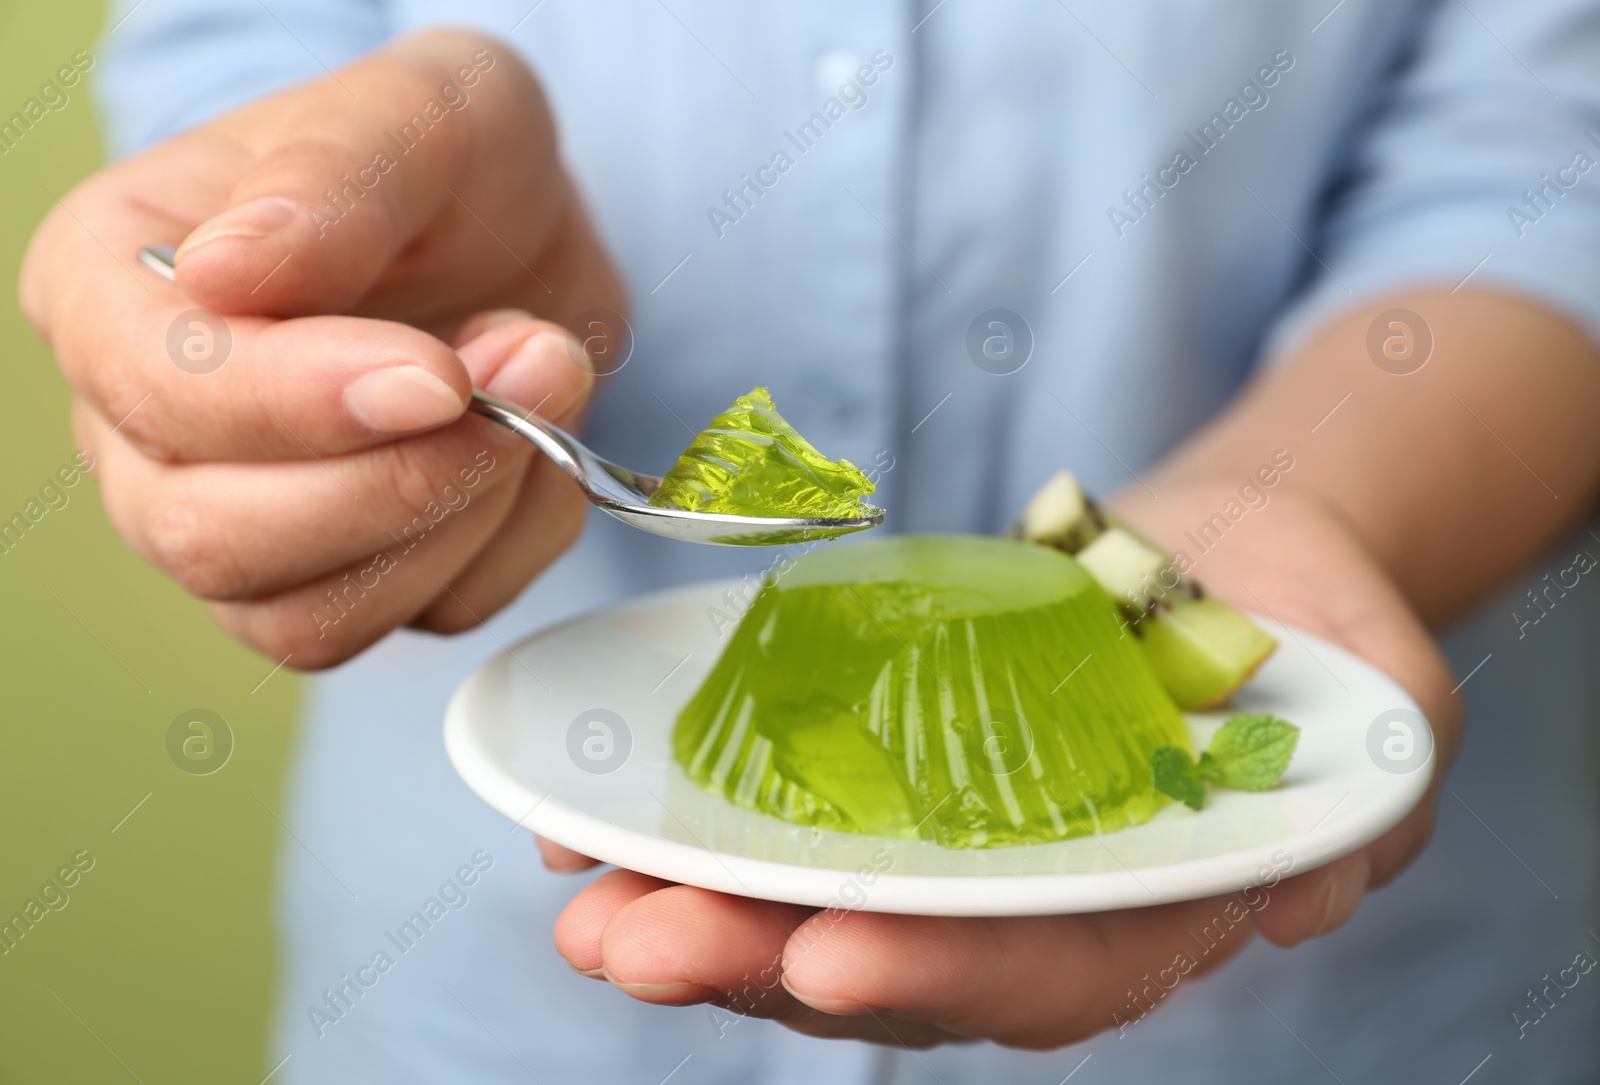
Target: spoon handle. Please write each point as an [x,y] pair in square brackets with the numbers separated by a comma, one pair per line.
[603,482]
[552,441]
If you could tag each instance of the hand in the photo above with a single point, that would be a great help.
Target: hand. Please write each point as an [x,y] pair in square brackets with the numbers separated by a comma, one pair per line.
[1035,982]
[322,486]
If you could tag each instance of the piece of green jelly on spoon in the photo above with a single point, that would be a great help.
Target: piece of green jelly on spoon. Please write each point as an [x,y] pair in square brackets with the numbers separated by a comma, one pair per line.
[751,462]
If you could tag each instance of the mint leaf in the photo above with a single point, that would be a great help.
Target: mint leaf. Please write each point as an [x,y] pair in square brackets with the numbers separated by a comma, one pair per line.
[1175,775]
[1250,752]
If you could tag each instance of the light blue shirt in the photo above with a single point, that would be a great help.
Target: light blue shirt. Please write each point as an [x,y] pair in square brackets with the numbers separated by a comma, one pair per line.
[1169,194]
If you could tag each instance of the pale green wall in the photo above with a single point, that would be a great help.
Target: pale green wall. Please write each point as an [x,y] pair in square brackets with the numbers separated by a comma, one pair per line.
[164,950]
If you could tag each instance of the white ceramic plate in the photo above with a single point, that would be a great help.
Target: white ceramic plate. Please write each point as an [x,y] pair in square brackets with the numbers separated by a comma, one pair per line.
[569,733]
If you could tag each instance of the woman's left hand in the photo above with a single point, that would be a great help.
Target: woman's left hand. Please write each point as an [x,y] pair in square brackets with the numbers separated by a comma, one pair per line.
[1039,981]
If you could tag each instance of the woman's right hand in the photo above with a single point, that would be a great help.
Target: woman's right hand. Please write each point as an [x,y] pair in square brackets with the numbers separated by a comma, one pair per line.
[376,243]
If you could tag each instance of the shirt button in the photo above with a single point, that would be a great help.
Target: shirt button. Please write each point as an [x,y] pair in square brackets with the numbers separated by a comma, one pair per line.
[836,68]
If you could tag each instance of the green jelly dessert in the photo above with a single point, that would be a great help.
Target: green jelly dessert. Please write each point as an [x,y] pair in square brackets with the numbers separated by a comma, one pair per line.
[971,691]
[751,462]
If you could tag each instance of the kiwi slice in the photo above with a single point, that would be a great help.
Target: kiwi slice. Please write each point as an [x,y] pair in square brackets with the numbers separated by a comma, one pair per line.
[1201,649]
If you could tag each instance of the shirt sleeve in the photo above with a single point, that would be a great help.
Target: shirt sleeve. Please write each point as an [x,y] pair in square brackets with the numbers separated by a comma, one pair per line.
[1477,168]
[170,64]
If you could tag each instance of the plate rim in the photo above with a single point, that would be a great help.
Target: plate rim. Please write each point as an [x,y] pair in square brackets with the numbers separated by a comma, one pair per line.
[469,744]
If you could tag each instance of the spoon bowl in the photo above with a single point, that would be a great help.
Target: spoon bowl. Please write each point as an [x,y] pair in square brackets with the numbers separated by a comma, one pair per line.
[626,494]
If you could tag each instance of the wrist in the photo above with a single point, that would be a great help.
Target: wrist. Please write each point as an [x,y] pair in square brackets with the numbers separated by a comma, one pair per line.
[1208,521]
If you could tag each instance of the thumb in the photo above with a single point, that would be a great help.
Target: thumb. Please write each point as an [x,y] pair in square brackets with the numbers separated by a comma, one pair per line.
[562,860]
[344,174]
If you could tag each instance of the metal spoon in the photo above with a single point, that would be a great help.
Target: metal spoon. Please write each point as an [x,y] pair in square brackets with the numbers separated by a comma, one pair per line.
[623,493]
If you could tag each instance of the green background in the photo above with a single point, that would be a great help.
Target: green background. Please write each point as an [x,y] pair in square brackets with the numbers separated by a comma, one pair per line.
[164,952]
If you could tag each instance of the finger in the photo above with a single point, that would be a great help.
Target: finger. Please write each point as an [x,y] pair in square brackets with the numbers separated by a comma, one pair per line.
[583,921]
[347,171]
[1374,621]
[1368,616]
[317,386]
[558,270]
[675,945]
[189,384]
[562,860]
[221,529]
[545,520]
[1035,982]
[1312,904]
[487,321]
[298,390]
[1392,852]
[229,531]
[90,238]
[285,623]
[325,621]
[655,947]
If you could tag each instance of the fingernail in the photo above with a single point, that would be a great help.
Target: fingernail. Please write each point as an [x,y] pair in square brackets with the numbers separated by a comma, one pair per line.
[578,356]
[540,363]
[247,222]
[592,973]
[570,866]
[402,399]
[659,992]
[839,1007]
[488,322]
[1344,895]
